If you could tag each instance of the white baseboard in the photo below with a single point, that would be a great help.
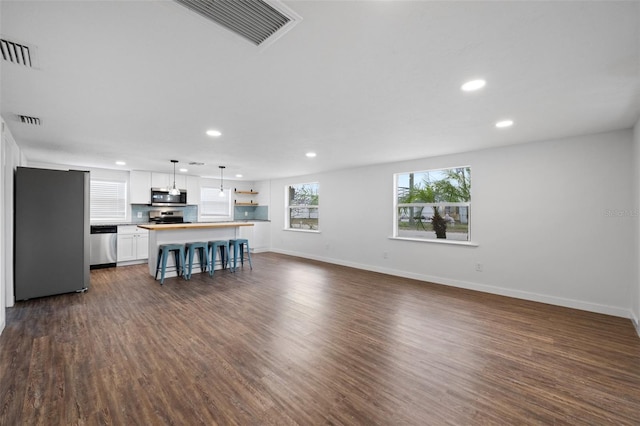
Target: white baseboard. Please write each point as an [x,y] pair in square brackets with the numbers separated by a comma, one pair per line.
[132,262]
[636,323]
[501,291]
[2,326]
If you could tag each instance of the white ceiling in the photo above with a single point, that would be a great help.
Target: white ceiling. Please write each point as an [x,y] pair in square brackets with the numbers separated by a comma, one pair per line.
[358,82]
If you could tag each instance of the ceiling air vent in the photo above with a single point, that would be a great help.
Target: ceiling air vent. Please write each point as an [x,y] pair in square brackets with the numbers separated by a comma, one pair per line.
[17,53]
[256,20]
[29,120]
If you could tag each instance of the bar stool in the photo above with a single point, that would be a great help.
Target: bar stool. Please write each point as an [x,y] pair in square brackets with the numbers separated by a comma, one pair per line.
[223,246]
[238,246]
[163,254]
[203,255]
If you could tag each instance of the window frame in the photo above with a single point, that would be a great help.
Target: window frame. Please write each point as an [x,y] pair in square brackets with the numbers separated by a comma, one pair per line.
[288,207]
[441,205]
[121,212]
[204,215]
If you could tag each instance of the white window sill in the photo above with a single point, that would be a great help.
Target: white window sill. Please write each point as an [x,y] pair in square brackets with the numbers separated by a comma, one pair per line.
[437,241]
[309,231]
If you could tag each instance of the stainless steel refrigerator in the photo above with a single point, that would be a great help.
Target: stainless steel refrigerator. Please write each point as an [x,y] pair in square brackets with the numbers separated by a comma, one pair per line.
[51,232]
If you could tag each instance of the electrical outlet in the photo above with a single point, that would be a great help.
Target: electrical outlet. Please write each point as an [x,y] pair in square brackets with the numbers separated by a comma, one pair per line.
[246,214]
[139,215]
[385,255]
[479,267]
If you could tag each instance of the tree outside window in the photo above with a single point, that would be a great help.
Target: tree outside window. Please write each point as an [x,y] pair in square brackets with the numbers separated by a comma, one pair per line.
[433,204]
[302,208]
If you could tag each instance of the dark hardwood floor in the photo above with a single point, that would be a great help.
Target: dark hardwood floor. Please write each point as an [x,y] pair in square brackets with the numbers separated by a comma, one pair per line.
[302,342]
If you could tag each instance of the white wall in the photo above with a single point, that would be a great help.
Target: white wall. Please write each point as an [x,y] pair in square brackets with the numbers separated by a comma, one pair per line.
[635,293]
[11,158]
[545,215]
[96,173]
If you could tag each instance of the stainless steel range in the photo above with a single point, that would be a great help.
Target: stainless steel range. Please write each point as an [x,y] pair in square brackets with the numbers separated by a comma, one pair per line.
[166,216]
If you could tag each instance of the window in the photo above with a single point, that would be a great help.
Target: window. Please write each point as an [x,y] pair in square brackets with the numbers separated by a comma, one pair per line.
[108,200]
[433,204]
[214,206]
[302,207]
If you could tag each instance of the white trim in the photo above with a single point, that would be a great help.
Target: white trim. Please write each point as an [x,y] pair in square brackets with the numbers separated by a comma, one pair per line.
[437,241]
[285,10]
[635,322]
[308,231]
[441,204]
[260,250]
[517,294]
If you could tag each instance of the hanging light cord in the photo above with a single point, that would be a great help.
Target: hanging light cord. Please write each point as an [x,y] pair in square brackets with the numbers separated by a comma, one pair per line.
[221,181]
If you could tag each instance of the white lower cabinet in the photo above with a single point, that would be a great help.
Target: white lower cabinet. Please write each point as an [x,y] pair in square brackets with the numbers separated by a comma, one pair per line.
[142,246]
[133,245]
[258,235]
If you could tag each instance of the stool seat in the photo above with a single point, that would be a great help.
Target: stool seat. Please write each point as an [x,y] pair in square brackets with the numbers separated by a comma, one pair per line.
[163,253]
[239,252]
[223,246]
[202,248]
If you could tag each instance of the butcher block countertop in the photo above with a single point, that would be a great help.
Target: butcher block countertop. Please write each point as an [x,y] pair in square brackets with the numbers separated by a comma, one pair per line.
[199,225]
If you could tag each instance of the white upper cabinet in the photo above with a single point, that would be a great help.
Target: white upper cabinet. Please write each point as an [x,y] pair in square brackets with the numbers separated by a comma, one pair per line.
[140,187]
[165,180]
[140,184]
[160,180]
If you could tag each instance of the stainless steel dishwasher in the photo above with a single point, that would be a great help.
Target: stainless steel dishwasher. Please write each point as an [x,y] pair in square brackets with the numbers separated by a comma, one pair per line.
[102,248]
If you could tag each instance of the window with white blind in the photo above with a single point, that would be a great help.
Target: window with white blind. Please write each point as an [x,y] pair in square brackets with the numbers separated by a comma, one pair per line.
[213,205]
[108,200]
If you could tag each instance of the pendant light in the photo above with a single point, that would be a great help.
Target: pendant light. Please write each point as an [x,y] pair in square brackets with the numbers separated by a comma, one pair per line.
[221,194]
[174,190]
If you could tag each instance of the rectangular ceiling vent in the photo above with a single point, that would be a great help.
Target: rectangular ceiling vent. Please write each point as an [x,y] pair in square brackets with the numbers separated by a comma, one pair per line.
[25,119]
[16,53]
[258,21]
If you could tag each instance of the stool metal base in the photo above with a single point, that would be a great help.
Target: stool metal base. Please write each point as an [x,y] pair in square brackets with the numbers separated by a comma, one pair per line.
[223,246]
[239,252]
[163,254]
[202,249]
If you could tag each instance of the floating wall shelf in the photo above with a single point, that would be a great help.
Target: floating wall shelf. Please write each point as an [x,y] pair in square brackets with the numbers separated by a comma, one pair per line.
[251,192]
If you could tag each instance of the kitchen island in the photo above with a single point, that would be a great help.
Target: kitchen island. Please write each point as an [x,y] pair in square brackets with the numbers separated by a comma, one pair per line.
[180,233]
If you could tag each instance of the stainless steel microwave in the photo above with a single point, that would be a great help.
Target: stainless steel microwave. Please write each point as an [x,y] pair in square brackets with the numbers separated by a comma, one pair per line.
[161,197]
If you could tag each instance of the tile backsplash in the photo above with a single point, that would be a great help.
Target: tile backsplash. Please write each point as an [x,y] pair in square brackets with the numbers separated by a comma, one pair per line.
[251,213]
[190,212]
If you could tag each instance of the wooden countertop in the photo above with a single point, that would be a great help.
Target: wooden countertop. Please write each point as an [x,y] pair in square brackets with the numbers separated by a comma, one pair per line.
[200,225]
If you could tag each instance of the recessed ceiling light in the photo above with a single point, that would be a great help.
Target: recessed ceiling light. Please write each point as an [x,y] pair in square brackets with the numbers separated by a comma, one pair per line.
[472,85]
[121,163]
[310,154]
[504,123]
[214,133]
[238,176]
[183,170]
